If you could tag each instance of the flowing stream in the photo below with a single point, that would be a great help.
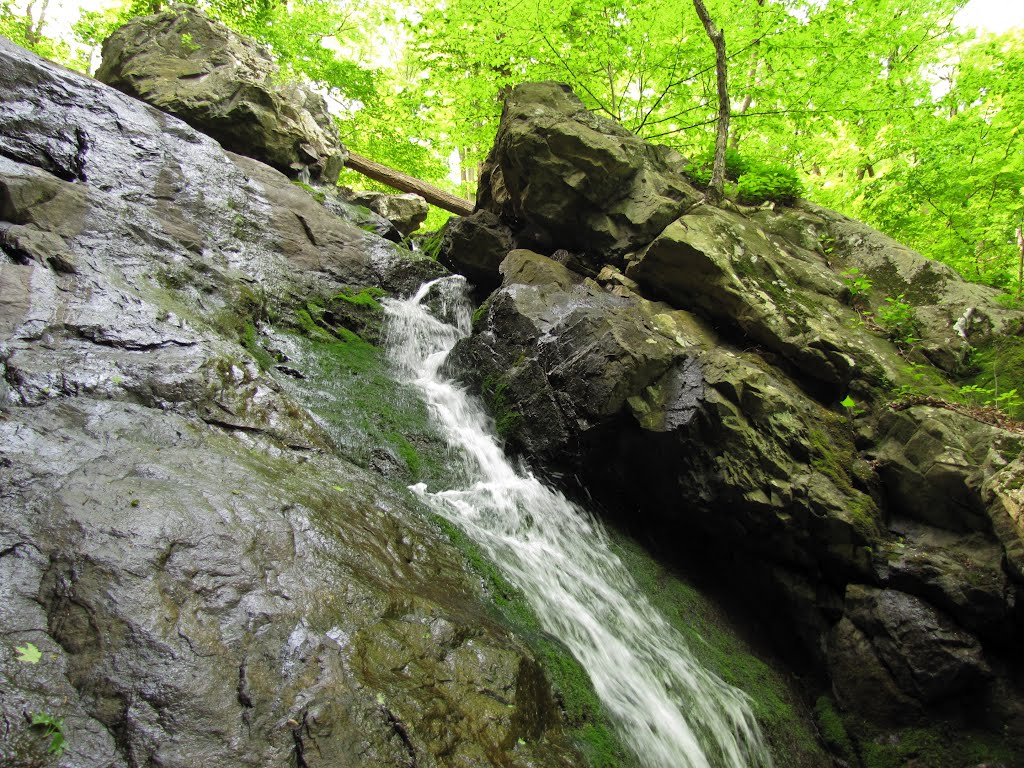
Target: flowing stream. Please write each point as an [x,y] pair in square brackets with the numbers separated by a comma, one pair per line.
[669,710]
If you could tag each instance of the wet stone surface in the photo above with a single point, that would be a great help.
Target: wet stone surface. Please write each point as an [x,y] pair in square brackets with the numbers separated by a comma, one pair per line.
[207,576]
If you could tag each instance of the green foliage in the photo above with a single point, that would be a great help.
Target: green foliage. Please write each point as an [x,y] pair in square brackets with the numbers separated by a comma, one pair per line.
[26,27]
[947,180]
[997,370]
[858,284]
[899,320]
[773,182]
[28,653]
[188,43]
[53,729]
[430,243]
[756,181]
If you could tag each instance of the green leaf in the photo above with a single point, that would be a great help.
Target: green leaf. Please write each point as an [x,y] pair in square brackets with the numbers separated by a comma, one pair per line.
[28,653]
[847,402]
[54,728]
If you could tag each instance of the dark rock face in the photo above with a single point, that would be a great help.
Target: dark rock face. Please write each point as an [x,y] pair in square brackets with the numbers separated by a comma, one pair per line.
[475,246]
[562,177]
[887,543]
[920,655]
[226,86]
[206,574]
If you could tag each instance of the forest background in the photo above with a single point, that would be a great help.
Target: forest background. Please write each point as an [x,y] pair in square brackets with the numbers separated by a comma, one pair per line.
[887,110]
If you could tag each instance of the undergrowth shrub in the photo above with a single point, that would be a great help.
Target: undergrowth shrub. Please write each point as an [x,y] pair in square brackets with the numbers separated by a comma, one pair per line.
[756,181]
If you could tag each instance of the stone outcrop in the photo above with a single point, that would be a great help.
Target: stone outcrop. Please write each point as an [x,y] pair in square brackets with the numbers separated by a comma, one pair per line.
[406,211]
[563,177]
[686,368]
[226,86]
[211,569]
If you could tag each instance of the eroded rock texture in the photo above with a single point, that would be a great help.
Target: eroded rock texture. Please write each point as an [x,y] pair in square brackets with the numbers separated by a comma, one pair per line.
[685,366]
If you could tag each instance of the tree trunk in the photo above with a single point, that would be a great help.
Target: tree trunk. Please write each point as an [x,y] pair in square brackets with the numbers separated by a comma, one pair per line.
[406,183]
[1020,262]
[717,189]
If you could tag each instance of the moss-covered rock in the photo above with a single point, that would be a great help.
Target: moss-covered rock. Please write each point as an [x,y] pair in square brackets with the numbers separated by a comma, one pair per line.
[225,85]
[555,162]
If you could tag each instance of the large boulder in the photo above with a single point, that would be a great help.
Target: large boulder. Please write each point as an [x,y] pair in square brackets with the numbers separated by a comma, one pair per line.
[563,177]
[405,211]
[226,86]
[208,565]
[626,393]
[892,652]
[950,316]
[475,246]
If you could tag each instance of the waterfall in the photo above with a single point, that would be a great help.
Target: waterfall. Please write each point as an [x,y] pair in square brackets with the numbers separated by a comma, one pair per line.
[668,709]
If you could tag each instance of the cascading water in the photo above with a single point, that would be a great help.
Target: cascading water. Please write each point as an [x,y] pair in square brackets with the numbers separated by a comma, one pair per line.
[668,709]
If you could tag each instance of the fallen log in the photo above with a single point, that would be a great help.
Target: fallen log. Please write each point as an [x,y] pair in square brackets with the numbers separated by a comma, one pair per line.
[405,183]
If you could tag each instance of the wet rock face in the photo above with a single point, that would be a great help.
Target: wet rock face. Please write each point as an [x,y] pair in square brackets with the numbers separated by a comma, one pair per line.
[203,570]
[226,86]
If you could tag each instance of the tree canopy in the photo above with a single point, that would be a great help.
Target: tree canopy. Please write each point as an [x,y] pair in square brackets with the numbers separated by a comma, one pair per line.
[887,111]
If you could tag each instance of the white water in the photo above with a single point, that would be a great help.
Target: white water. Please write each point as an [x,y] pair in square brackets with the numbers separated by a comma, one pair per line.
[668,709]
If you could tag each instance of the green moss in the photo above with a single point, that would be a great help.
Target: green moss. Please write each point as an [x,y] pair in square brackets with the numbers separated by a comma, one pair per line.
[585,718]
[365,298]
[833,454]
[480,313]
[309,322]
[925,288]
[506,418]
[238,321]
[833,730]
[318,194]
[719,647]
[937,746]
[373,419]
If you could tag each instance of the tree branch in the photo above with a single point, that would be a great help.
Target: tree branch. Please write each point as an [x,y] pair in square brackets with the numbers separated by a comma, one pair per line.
[406,183]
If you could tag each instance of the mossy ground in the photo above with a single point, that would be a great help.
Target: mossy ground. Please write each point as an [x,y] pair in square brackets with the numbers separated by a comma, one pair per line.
[864,745]
[375,420]
[720,647]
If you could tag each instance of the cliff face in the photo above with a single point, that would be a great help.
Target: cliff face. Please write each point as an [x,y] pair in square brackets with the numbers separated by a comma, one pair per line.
[202,453]
[687,363]
[202,525]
